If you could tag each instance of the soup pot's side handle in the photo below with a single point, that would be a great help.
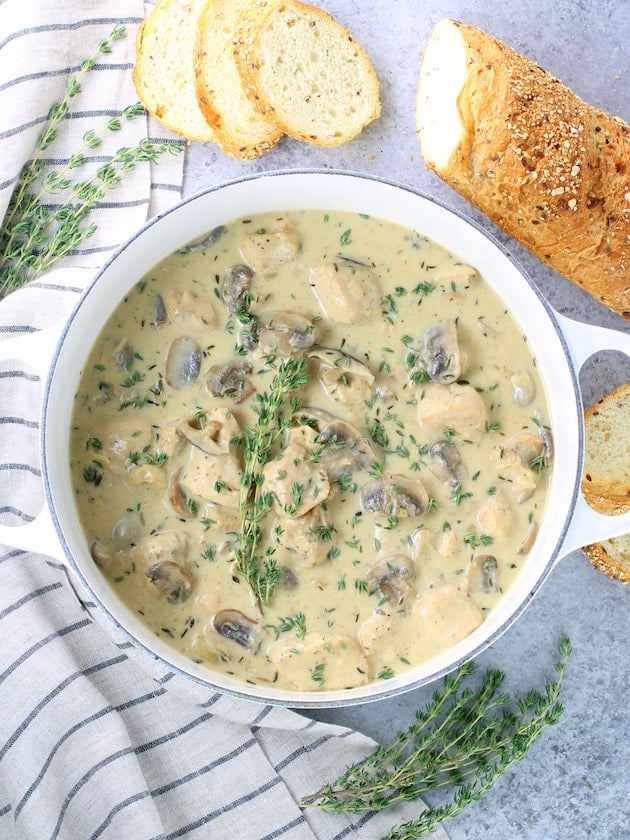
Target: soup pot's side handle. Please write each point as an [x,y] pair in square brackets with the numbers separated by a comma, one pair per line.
[587,525]
[36,351]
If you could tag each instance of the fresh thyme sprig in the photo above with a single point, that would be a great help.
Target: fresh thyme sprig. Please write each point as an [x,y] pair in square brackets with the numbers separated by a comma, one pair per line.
[465,738]
[274,409]
[47,214]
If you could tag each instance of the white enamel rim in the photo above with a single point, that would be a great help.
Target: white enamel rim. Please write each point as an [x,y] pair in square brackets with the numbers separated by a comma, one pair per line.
[286,191]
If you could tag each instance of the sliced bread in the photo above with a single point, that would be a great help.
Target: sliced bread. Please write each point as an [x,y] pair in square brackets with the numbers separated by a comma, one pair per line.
[304,69]
[606,477]
[163,72]
[612,557]
[240,129]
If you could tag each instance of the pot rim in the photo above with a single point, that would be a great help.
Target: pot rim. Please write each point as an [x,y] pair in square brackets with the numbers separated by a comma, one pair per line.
[373,691]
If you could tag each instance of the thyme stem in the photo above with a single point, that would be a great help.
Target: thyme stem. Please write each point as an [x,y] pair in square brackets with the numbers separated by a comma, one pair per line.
[262,574]
[35,235]
[464,739]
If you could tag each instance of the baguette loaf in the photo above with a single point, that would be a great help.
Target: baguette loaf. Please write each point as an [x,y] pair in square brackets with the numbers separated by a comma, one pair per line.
[163,71]
[240,129]
[303,69]
[550,170]
[606,478]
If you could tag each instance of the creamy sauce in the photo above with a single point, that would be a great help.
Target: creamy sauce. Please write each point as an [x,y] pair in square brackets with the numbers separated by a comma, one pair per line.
[396,506]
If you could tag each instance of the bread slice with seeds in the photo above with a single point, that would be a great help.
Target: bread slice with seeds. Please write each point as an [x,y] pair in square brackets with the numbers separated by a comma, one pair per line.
[606,476]
[240,129]
[163,71]
[303,69]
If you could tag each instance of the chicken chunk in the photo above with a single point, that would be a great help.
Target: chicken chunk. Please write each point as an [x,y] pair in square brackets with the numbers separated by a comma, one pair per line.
[347,292]
[191,309]
[121,439]
[320,661]
[376,631]
[445,616]
[169,546]
[264,252]
[454,406]
[213,478]
[495,517]
[302,540]
[296,482]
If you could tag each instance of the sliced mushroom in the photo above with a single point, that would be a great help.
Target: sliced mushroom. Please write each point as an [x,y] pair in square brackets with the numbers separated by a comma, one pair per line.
[178,498]
[342,447]
[455,275]
[482,574]
[285,333]
[235,285]
[190,308]
[529,539]
[207,241]
[440,355]
[237,627]
[267,250]
[123,355]
[183,362]
[547,439]
[347,292]
[128,530]
[446,462]
[160,316]
[394,495]
[215,434]
[343,378]
[390,576]
[513,461]
[171,580]
[149,474]
[230,380]
[456,406]
[101,554]
[523,387]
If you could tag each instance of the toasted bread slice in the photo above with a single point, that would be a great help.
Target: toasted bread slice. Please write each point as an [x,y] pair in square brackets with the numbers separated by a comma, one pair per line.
[305,69]
[163,72]
[606,477]
[612,557]
[240,128]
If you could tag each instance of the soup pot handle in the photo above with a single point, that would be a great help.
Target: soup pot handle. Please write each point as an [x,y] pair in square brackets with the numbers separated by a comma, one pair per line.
[587,525]
[36,351]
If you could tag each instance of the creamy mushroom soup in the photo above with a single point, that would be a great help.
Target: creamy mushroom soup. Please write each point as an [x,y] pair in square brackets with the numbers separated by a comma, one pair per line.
[311,450]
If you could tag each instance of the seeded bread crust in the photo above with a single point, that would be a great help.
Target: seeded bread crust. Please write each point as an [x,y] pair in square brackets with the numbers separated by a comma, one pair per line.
[611,557]
[240,129]
[606,478]
[303,69]
[549,169]
[163,71]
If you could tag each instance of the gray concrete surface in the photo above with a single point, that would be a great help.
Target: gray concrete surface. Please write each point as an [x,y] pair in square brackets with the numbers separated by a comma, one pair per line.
[574,782]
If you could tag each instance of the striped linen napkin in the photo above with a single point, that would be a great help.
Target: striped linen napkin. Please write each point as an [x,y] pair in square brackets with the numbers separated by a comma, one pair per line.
[97,740]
